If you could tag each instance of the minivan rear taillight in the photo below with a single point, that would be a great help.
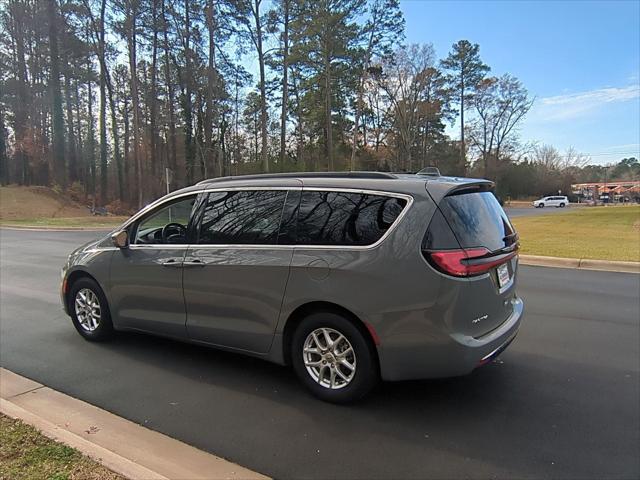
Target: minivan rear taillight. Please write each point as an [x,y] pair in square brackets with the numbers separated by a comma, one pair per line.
[468,262]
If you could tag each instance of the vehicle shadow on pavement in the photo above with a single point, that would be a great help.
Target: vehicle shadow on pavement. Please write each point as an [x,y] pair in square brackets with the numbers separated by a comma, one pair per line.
[491,417]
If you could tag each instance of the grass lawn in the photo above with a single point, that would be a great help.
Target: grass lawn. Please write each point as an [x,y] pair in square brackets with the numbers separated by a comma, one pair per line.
[605,233]
[27,454]
[77,222]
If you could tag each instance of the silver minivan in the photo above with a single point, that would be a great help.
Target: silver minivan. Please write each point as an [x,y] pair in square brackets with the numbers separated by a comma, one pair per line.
[347,277]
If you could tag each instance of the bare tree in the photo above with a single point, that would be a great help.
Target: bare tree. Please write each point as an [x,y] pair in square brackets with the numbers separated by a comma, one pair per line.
[500,105]
[573,158]
[403,79]
[550,158]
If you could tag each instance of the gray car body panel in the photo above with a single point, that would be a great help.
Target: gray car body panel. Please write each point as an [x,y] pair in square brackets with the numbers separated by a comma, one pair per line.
[244,296]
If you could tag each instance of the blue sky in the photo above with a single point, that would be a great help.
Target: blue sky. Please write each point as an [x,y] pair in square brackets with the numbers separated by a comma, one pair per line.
[580,59]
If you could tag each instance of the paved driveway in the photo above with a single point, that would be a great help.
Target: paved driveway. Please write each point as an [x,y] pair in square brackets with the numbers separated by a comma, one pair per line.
[562,402]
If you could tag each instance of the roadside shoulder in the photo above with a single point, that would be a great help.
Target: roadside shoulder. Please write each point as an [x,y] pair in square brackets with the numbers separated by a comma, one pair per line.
[580,263]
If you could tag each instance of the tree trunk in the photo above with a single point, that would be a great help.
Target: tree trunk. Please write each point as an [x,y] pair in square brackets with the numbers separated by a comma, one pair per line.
[153,101]
[300,129]
[71,140]
[263,88]
[171,160]
[116,137]
[127,145]
[131,41]
[327,112]
[22,104]
[285,84]
[463,159]
[4,167]
[103,109]
[356,120]
[90,172]
[56,97]
[188,114]
[211,81]
[79,141]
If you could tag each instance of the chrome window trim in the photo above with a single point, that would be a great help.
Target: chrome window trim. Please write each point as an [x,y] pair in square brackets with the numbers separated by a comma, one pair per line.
[408,198]
[159,246]
[101,249]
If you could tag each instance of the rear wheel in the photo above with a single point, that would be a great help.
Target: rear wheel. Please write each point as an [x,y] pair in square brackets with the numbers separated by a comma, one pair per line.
[333,358]
[89,310]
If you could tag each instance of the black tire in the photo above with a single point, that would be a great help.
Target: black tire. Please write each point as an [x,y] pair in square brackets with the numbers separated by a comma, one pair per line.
[104,329]
[366,373]
[562,205]
[541,205]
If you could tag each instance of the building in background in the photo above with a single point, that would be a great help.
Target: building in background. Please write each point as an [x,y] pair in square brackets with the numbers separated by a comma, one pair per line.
[608,192]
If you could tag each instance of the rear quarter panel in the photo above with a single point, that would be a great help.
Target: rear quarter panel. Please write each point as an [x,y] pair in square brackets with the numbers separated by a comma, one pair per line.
[390,287]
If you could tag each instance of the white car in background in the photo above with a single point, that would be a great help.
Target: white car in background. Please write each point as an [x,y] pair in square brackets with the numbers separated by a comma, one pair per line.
[558,201]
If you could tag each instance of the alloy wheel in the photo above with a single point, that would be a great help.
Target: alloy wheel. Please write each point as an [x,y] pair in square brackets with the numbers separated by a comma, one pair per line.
[329,358]
[87,309]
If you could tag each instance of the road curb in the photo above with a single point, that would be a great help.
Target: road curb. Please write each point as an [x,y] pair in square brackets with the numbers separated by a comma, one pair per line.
[580,263]
[124,447]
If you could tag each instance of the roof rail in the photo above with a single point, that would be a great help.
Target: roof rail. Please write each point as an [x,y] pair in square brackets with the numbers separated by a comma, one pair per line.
[430,171]
[365,175]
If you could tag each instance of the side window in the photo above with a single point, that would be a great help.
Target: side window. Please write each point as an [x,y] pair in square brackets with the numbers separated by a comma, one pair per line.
[167,225]
[242,217]
[343,218]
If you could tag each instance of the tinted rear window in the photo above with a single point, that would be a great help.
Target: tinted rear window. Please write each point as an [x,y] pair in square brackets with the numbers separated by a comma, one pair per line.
[477,220]
[344,218]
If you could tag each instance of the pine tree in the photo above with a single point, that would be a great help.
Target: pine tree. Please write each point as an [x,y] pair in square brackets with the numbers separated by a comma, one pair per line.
[466,70]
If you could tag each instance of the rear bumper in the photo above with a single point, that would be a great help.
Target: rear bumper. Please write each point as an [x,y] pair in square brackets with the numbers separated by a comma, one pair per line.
[451,355]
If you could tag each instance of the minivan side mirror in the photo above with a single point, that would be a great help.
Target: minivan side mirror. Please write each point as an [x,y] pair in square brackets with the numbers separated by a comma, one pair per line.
[120,239]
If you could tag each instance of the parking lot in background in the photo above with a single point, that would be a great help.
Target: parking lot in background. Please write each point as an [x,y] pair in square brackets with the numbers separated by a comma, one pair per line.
[531,211]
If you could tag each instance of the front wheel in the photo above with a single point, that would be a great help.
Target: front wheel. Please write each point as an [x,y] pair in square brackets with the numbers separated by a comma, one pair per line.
[541,205]
[89,310]
[333,358]
[562,205]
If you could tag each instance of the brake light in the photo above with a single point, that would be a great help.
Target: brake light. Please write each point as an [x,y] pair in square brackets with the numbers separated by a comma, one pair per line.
[467,262]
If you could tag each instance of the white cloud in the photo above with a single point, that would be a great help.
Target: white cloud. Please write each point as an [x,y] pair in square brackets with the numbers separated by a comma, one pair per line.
[571,106]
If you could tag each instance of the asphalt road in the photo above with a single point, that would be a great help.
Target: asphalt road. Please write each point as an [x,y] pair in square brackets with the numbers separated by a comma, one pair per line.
[562,402]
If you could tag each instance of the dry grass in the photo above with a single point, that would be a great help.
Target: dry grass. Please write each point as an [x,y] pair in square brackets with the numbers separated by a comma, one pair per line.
[43,207]
[27,454]
[605,233]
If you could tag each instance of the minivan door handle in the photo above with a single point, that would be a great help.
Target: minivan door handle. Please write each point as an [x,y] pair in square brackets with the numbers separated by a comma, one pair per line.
[194,263]
[172,262]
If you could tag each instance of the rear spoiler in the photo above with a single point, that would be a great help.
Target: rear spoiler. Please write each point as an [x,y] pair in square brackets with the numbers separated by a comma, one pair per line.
[442,187]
